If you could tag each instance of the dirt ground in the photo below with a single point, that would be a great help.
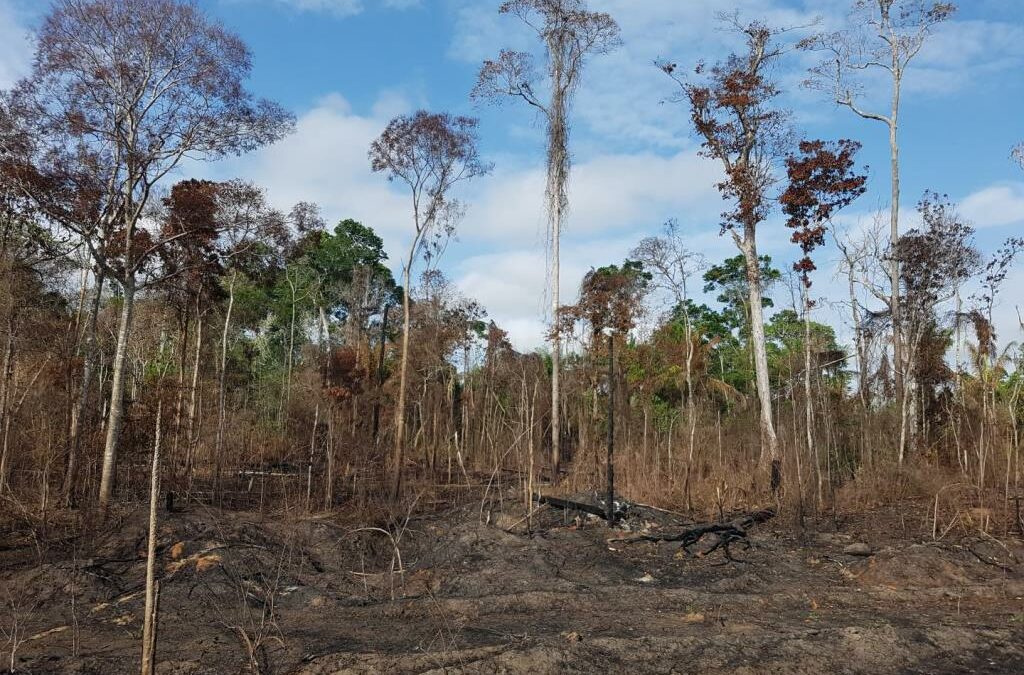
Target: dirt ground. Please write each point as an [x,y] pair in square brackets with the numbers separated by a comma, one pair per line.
[454,593]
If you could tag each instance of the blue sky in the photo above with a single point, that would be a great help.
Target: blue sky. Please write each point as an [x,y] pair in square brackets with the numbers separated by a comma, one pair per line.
[346,66]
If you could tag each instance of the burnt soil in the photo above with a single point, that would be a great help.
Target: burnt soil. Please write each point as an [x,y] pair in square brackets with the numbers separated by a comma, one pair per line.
[475,593]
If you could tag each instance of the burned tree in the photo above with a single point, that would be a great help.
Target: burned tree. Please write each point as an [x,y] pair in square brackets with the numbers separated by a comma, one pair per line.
[671,265]
[570,34]
[884,37]
[121,92]
[733,116]
[429,153]
[934,260]
[822,181]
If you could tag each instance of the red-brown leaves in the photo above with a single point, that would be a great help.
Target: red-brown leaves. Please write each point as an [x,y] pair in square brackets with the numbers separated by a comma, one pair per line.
[343,377]
[731,112]
[822,181]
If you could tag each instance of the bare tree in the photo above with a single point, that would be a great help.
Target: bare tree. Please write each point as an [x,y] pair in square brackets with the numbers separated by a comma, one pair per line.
[430,153]
[884,37]
[570,33]
[672,265]
[121,92]
[733,116]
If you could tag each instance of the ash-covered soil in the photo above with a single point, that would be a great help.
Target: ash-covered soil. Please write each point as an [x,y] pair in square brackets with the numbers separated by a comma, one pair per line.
[454,593]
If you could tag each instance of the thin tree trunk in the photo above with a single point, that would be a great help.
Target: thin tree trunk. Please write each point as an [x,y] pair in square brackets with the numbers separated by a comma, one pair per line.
[222,371]
[5,394]
[380,373]
[899,371]
[398,458]
[191,436]
[150,615]
[312,454]
[812,450]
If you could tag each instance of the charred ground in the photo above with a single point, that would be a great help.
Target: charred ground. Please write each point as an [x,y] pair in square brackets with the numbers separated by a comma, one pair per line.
[469,590]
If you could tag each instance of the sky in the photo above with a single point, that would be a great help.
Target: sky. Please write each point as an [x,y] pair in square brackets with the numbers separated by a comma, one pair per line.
[345,67]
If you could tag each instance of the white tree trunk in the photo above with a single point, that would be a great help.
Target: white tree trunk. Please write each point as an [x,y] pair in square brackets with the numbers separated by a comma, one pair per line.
[769,441]
[115,414]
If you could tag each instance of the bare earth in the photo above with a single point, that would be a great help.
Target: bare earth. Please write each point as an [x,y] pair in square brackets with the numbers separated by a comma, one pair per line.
[314,597]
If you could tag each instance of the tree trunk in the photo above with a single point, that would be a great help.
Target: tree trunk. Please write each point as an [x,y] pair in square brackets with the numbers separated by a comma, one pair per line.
[380,373]
[812,451]
[115,414]
[398,457]
[88,368]
[191,436]
[149,615]
[222,372]
[769,441]
[5,394]
[899,367]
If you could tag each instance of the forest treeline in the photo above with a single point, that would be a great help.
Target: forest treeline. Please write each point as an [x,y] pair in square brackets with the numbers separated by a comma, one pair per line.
[280,364]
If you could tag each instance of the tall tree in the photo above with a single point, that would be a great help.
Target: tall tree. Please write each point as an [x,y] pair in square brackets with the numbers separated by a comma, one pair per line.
[732,114]
[570,33]
[429,153]
[884,37]
[935,259]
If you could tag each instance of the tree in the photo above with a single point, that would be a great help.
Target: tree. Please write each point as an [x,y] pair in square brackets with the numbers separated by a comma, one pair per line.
[430,153]
[934,260]
[729,280]
[611,298]
[822,181]
[570,34]
[672,265]
[884,37]
[732,114]
[120,93]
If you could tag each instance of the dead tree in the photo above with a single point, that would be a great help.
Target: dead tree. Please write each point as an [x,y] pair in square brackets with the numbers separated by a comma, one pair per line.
[429,153]
[570,34]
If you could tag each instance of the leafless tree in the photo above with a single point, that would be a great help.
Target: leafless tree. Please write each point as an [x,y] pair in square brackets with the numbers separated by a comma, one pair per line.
[672,265]
[570,33]
[429,153]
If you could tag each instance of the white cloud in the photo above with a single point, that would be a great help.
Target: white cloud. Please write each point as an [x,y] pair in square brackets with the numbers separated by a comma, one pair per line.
[325,162]
[607,193]
[16,46]
[995,205]
[513,284]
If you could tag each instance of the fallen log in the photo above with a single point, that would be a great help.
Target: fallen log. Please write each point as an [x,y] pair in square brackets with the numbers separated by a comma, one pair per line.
[570,505]
[727,533]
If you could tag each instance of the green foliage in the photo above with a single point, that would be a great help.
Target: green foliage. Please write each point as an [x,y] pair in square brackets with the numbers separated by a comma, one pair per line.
[729,280]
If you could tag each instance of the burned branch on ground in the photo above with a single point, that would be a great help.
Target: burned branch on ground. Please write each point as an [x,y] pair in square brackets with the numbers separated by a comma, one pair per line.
[726,533]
